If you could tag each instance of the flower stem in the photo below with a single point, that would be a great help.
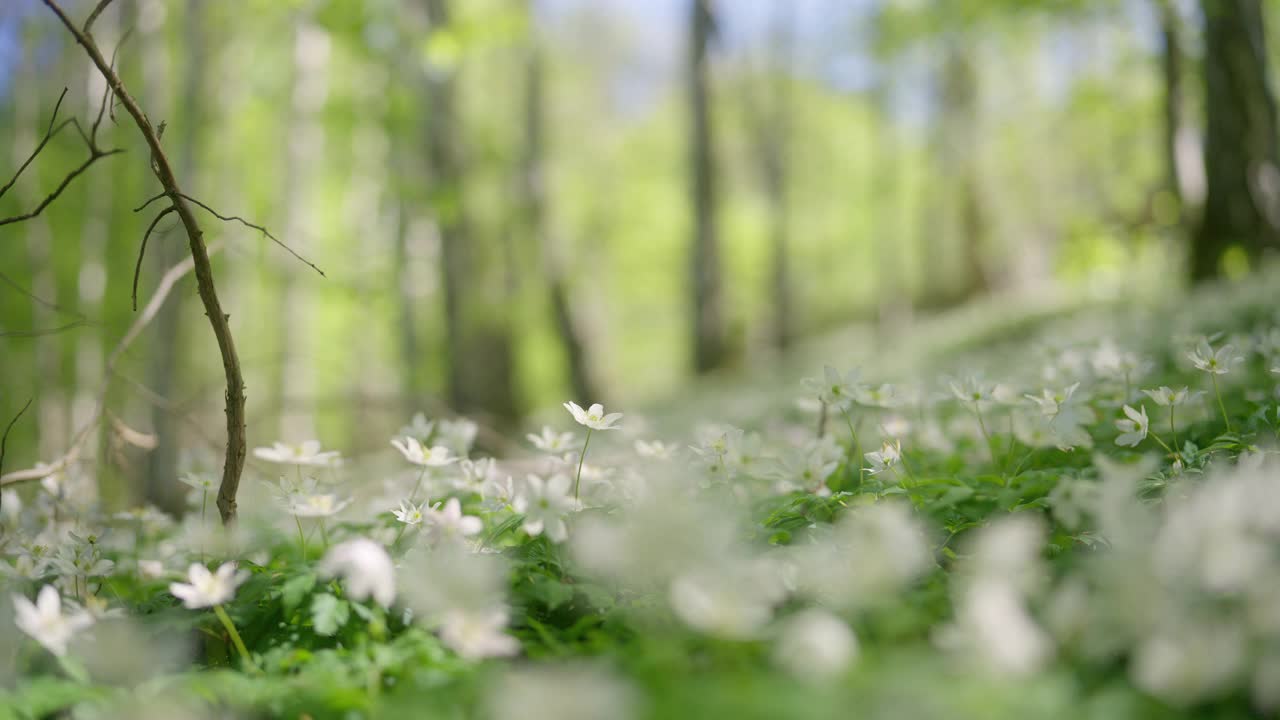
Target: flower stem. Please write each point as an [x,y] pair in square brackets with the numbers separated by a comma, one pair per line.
[73,669]
[577,480]
[413,495]
[324,534]
[1161,442]
[235,636]
[1172,429]
[204,502]
[982,425]
[857,446]
[301,538]
[1221,406]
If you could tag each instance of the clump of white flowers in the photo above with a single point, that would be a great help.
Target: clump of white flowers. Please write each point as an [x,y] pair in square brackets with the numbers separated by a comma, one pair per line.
[366,569]
[45,622]
[305,453]
[206,589]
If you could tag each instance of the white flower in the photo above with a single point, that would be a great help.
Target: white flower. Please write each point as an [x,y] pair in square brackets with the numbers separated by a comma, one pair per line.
[476,634]
[45,622]
[409,514]
[835,389]
[810,467]
[896,426]
[544,504]
[656,450]
[886,457]
[1166,396]
[207,589]
[1050,402]
[150,569]
[457,435]
[1217,362]
[308,453]
[366,570]
[551,441]
[733,600]
[449,523]
[318,505]
[414,452]
[593,417]
[498,492]
[419,427]
[815,644]
[11,504]
[884,396]
[973,391]
[1110,361]
[1134,429]
[474,475]
[203,483]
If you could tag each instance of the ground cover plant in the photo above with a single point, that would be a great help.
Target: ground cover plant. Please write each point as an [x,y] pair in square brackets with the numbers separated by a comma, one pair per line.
[1079,521]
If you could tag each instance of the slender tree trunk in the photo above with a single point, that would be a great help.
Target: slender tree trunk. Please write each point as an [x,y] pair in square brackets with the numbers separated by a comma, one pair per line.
[775,162]
[1240,151]
[709,343]
[162,487]
[478,338]
[304,143]
[1171,72]
[533,187]
[49,408]
[960,97]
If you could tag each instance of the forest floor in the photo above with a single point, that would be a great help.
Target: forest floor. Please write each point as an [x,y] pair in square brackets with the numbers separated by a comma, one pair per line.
[1055,511]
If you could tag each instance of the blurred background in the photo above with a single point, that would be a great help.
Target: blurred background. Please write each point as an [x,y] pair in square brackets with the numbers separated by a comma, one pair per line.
[519,202]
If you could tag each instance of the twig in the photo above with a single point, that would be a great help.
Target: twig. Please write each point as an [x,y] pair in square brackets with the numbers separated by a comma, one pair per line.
[48,135]
[46,331]
[167,283]
[37,299]
[259,228]
[94,156]
[102,5]
[150,200]
[233,464]
[142,251]
[4,439]
[106,93]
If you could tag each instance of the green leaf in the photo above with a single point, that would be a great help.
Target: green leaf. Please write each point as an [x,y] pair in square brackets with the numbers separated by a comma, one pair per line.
[328,614]
[549,591]
[295,589]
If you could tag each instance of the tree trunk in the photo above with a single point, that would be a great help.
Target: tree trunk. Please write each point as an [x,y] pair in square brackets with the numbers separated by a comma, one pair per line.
[303,146]
[775,166]
[162,487]
[533,188]
[708,313]
[478,338]
[960,97]
[1171,73]
[1240,151]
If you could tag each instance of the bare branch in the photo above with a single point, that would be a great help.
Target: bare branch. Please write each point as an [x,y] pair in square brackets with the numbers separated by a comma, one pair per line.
[47,331]
[102,5]
[259,228]
[94,156]
[142,251]
[107,92]
[48,135]
[167,283]
[4,439]
[233,463]
[150,200]
[35,298]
